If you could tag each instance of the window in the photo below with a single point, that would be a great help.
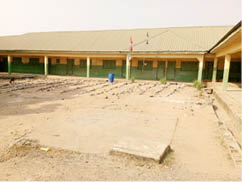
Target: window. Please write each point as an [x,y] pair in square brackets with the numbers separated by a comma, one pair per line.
[33,61]
[145,65]
[83,63]
[17,60]
[108,64]
[189,66]
[57,61]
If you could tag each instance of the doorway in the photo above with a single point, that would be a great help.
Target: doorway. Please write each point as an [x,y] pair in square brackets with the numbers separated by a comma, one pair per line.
[171,70]
[70,63]
[161,72]
[123,69]
[208,71]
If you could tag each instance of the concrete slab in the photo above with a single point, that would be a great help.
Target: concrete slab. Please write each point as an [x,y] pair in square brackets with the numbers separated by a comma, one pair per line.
[103,124]
[147,149]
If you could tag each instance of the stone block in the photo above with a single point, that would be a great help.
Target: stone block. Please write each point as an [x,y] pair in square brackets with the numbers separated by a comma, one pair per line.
[141,148]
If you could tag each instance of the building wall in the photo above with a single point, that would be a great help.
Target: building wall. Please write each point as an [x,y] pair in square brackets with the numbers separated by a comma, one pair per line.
[97,68]
[169,68]
[185,70]
[141,72]
[67,66]
[33,65]
[57,68]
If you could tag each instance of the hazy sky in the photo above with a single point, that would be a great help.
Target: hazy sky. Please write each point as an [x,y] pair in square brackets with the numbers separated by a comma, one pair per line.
[21,16]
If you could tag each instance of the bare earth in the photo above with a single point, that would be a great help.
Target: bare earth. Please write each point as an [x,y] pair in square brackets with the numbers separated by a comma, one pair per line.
[80,120]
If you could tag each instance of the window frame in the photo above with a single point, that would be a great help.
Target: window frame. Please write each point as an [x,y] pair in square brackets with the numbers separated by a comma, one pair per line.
[109,66]
[17,60]
[32,62]
[141,66]
[186,68]
[83,63]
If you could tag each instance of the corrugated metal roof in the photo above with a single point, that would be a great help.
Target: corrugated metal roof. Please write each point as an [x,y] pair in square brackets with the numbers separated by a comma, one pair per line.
[177,39]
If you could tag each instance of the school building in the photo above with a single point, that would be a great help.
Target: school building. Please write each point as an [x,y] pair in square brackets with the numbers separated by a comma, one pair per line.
[210,53]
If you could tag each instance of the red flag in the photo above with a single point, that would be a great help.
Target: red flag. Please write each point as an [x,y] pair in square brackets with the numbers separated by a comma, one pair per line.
[131,44]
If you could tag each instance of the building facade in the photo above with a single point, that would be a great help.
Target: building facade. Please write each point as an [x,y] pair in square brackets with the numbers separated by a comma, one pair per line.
[177,54]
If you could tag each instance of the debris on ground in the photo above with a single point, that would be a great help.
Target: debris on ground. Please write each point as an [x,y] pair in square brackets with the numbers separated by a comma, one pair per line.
[45,149]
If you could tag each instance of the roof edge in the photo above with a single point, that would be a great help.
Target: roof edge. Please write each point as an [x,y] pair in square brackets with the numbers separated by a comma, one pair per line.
[107,52]
[237,26]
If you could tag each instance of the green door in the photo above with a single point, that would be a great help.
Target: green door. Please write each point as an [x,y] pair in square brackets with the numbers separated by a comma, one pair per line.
[123,69]
[208,72]
[171,70]
[49,65]
[70,63]
[4,65]
[235,71]
[161,70]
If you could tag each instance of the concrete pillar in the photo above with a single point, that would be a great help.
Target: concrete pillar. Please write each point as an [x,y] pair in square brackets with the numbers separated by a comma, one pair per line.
[9,65]
[88,67]
[226,71]
[128,58]
[46,65]
[215,64]
[200,70]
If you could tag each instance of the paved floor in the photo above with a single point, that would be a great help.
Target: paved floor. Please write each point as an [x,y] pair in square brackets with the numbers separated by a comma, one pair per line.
[232,96]
[231,101]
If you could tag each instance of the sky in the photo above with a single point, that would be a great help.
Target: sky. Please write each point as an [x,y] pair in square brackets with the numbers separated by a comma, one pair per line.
[22,16]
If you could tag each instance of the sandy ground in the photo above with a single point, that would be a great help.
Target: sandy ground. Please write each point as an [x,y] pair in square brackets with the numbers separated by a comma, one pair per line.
[80,120]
